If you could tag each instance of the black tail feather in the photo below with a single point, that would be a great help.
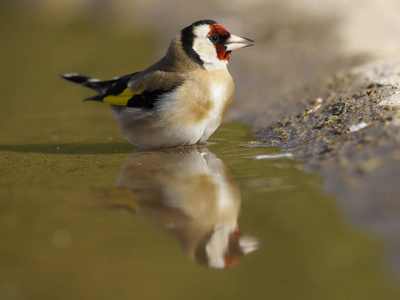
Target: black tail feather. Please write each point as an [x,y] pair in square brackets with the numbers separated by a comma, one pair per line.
[76,78]
[104,88]
[89,82]
[94,83]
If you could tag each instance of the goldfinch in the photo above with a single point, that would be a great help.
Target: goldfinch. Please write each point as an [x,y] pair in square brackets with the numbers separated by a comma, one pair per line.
[181,99]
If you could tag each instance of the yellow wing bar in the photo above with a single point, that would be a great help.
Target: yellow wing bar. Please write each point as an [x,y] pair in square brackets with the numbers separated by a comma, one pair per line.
[120,99]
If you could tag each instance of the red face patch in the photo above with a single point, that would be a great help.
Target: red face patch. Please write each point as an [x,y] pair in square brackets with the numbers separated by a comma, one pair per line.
[218,29]
[221,53]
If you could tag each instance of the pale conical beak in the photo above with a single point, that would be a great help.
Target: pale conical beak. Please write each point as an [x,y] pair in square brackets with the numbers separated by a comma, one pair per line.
[236,42]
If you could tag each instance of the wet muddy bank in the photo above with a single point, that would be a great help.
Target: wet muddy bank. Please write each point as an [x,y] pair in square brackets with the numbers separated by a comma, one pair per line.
[347,128]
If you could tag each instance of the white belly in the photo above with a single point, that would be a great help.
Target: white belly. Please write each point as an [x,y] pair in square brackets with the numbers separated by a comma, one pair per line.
[220,95]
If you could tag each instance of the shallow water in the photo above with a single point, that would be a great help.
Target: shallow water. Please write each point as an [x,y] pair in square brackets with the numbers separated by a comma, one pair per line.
[82,217]
[96,221]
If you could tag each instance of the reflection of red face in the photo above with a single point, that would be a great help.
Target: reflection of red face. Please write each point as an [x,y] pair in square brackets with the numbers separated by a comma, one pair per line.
[233,254]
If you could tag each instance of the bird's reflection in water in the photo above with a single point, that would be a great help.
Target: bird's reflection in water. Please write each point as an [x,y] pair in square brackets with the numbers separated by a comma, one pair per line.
[190,193]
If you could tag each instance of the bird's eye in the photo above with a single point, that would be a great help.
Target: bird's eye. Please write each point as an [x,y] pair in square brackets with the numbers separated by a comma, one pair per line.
[214,38]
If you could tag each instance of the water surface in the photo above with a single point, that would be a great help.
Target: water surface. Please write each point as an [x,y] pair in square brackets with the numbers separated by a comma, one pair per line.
[91,222]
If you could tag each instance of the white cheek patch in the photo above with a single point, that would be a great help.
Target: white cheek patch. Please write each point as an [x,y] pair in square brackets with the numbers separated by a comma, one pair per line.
[206,49]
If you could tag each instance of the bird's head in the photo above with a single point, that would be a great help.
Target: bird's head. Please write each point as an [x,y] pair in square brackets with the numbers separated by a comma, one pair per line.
[210,44]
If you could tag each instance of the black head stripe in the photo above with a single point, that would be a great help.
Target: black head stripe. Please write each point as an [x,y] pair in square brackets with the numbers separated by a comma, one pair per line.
[187,39]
